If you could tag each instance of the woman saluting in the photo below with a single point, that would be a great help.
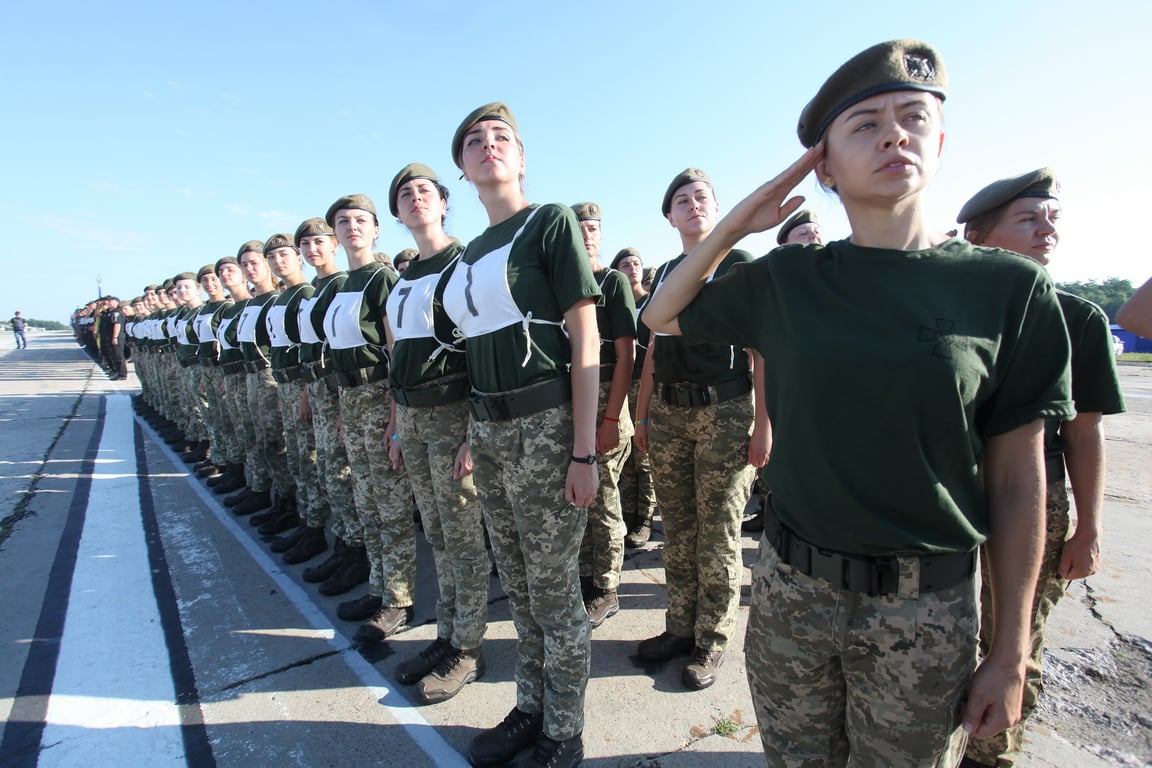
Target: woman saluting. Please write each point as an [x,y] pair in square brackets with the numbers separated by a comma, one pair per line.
[861,640]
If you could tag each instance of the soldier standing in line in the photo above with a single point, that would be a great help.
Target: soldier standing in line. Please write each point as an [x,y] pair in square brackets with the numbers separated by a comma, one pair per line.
[187,350]
[533,434]
[262,398]
[288,372]
[354,326]
[250,475]
[317,244]
[861,640]
[1019,214]
[221,435]
[429,384]
[708,435]
[114,317]
[637,490]
[602,546]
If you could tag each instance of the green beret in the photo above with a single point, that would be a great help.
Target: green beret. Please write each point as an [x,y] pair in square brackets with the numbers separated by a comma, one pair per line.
[256,246]
[497,110]
[226,260]
[803,216]
[625,253]
[897,65]
[1039,183]
[280,241]
[357,202]
[407,173]
[207,269]
[586,211]
[152,288]
[408,254]
[686,176]
[184,276]
[167,284]
[312,228]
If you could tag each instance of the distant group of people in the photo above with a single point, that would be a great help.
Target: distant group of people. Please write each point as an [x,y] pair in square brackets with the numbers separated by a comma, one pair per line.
[520,391]
[100,326]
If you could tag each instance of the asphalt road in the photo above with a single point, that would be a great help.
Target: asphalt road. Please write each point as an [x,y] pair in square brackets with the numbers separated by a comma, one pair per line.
[143,624]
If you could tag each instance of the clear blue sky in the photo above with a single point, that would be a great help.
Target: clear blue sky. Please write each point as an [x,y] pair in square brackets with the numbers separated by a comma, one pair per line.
[144,139]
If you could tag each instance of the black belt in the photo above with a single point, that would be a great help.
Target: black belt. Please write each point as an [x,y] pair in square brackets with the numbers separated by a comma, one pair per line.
[255,366]
[317,370]
[692,396]
[293,373]
[438,394]
[1054,467]
[208,362]
[188,362]
[231,368]
[361,376]
[521,402]
[871,575]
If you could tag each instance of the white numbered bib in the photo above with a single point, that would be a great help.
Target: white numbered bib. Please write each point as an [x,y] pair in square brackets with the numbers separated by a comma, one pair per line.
[246,325]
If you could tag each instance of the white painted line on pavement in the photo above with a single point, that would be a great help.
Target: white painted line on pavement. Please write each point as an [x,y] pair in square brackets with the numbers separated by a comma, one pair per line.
[113,700]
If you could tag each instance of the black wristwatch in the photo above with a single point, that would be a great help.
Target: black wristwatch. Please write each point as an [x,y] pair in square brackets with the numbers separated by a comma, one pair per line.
[589,459]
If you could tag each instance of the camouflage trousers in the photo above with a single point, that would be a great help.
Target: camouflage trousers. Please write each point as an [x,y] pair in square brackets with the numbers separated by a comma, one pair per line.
[172,382]
[383,495]
[1003,749]
[300,443]
[195,404]
[637,490]
[521,467]
[430,439]
[221,433]
[602,547]
[703,481]
[259,477]
[841,678]
[264,404]
[332,467]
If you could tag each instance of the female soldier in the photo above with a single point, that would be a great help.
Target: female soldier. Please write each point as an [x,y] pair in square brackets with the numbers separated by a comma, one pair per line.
[355,328]
[602,550]
[429,384]
[533,436]
[249,473]
[708,435]
[637,491]
[861,633]
[1019,215]
[220,431]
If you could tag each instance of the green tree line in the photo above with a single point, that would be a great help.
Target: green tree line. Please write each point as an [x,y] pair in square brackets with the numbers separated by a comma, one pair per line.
[1109,294]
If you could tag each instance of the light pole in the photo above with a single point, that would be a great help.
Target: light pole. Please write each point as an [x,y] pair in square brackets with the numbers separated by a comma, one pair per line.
[99,293]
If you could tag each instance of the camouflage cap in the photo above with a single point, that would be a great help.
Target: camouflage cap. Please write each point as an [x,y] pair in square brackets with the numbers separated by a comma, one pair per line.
[686,176]
[407,173]
[586,211]
[803,216]
[207,269]
[281,240]
[312,228]
[356,202]
[184,276]
[408,254]
[226,260]
[897,65]
[1039,183]
[256,246]
[497,110]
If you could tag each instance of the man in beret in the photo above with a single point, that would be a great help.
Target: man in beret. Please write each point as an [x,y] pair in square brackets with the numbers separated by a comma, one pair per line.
[1020,214]
[801,227]
[602,548]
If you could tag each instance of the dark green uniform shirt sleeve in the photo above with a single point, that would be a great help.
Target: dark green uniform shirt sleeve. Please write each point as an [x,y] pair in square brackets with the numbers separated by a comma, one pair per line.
[1095,384]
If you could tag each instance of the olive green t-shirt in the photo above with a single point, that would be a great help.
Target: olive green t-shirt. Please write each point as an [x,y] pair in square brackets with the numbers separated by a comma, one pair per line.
[415,359]
[187,342]
[230,315]
[290,298]
[887,371]
[261,348]
[375,280]
[615,312]
[678,359]
[518,305]
[326,288]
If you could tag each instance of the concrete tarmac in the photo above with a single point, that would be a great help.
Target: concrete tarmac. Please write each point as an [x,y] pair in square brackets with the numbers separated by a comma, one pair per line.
[143,623]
